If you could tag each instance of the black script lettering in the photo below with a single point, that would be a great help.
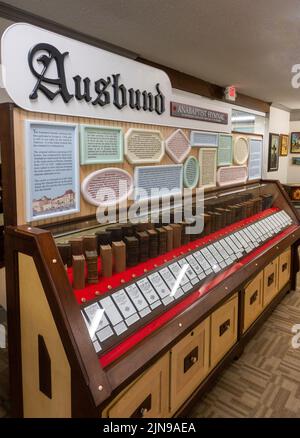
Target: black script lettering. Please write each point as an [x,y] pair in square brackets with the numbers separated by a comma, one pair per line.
[160,105]
[86,86]
[148,101]
[103,96]
[54,55]
[134,98]
[120,97]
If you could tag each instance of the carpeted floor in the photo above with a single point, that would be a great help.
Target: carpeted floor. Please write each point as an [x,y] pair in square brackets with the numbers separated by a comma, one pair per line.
[264,382]
[4,402]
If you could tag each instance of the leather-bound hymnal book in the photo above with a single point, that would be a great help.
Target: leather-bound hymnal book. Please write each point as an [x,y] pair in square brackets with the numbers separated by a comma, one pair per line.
[89,243]
[162,240]
[128,230]
[78,271]
[106,260]
[119,256]
[153,243]
[143,238]
[103,238]
[76,245]
[267,201]
[177,234]
[116,233]
[170,232]
[65,252]
[132,250]
[185,237]
[92,266]
[226,213]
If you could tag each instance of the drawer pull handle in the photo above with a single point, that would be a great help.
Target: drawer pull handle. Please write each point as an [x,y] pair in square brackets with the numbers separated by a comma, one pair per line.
[224,327]
[271,279]
[253,297]
[143,408]
[190,359]
[284,267]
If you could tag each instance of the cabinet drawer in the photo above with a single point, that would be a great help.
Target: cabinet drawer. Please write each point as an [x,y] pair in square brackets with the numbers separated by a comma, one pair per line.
[270,282]
[284,268]
[223,329]
[147,397]
[189,363]
[253,300]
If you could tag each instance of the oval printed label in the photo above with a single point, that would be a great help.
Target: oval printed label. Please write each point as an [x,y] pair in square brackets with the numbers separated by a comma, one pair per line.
[106,187]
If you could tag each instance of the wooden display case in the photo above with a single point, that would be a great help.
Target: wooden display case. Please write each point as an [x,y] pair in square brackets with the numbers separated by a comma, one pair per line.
[165,360]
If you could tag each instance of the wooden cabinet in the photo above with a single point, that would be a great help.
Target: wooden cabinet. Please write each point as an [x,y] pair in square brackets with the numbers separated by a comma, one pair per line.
[189,364]
[284,268]
[147,397]
[253,301]
[270,282]
[223,329]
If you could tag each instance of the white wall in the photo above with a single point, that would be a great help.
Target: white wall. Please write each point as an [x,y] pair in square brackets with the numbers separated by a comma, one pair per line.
[278,123]
[292,170]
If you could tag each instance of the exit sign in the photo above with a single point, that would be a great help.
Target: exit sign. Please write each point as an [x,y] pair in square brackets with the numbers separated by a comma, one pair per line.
[230,93]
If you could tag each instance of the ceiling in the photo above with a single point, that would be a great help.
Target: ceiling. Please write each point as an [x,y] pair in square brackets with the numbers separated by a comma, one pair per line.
[252,45]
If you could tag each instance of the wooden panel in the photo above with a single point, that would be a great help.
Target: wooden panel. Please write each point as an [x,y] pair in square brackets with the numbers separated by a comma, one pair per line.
[284,268]
[223,329]
[86,209]
[147,397]
[253,301]
[189,364]
[36,319]
[270,282]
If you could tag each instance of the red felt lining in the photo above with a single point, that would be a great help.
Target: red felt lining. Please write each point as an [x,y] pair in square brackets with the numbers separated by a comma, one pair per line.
[117,280]
[134,339]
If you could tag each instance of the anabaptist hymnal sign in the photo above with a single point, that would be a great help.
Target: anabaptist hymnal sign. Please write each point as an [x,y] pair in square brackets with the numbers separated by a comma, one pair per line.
[196,113]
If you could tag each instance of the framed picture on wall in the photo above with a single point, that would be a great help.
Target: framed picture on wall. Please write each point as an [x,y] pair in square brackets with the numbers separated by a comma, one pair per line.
[284,141]
[273,157]
[295,143]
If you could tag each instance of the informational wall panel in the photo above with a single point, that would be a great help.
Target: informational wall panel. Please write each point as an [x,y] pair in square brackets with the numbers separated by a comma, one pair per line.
[178,146]
[107,186]
[191,172]
[157,181]
[199,138]
[240,150]
[52,172]
[208,166]
[255,158]
[100,145]
[144,146]
[232,175]
[225,150]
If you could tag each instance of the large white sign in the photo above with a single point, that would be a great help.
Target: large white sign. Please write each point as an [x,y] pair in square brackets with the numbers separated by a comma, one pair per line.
[46,72]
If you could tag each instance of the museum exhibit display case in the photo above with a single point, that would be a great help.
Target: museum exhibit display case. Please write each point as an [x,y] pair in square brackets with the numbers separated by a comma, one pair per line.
[111,316]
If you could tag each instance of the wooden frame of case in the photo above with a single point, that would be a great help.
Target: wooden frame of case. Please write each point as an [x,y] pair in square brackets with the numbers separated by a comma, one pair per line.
[92,387]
